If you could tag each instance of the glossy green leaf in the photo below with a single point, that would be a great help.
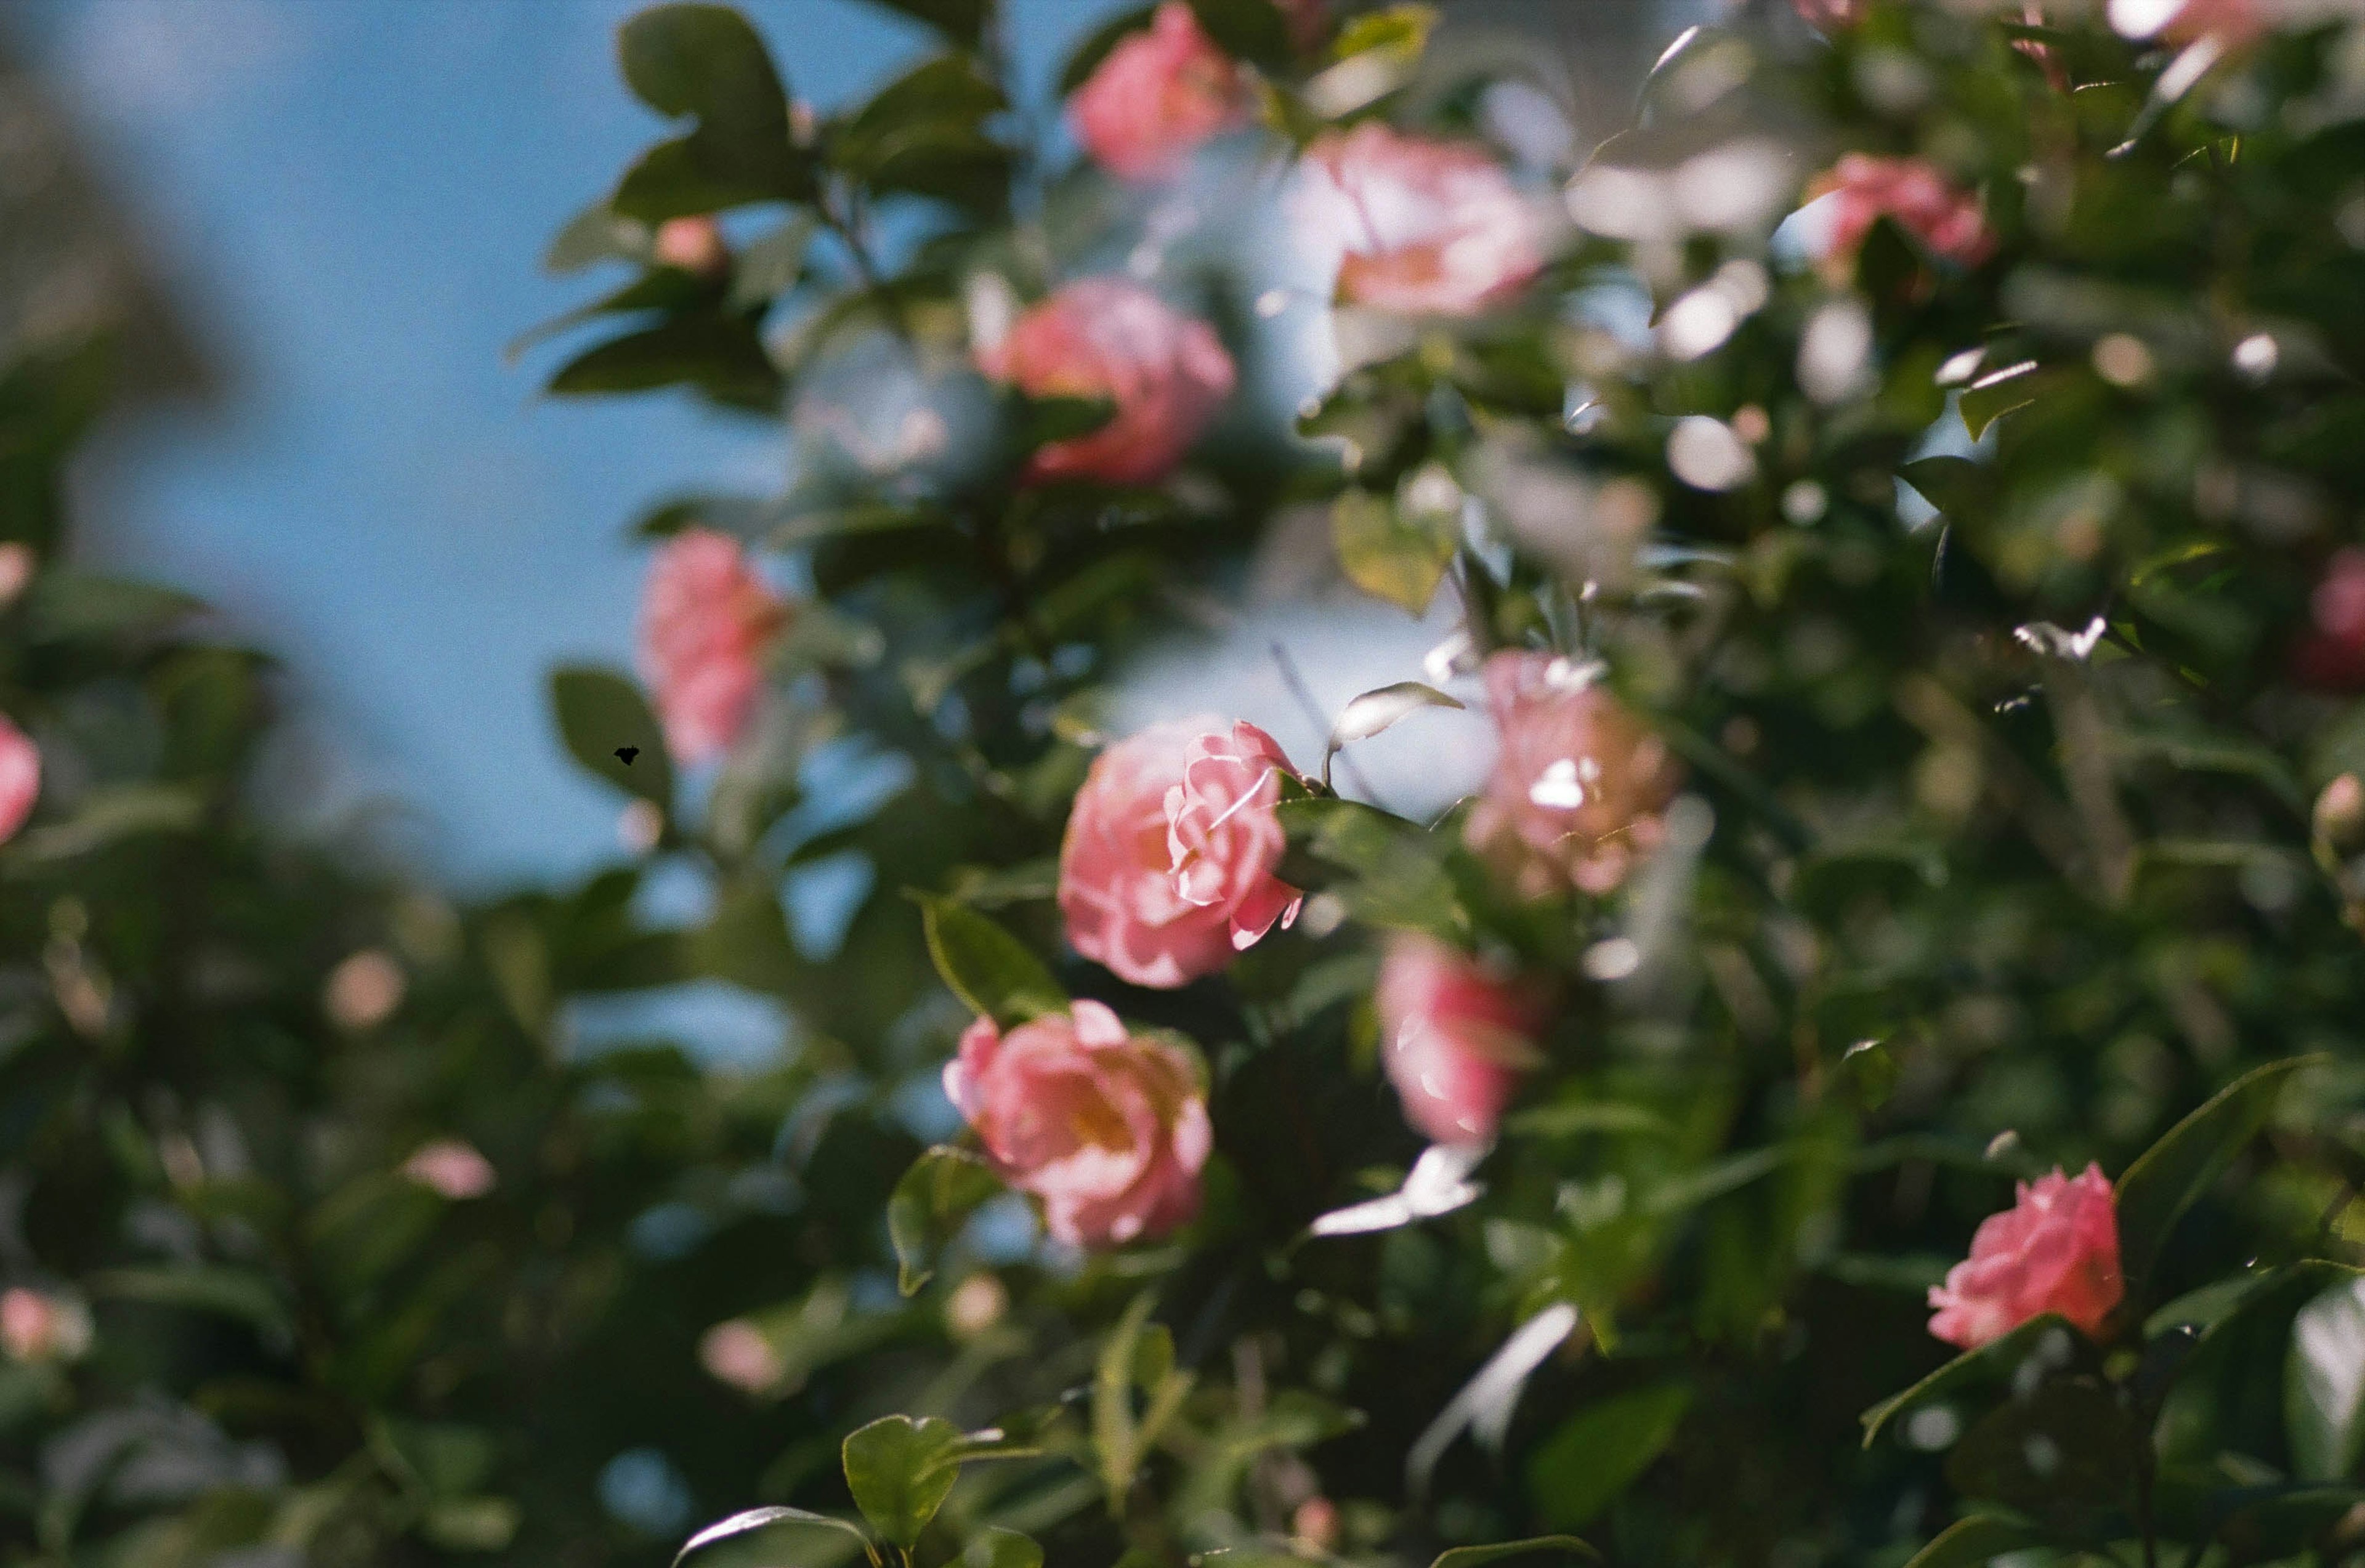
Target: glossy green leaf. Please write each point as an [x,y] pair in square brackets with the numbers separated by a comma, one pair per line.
[1477,1556]
[1598,1452]
[722,357]
[2049,1336]
[2173,1173]
[706,60]
[942,1189]
[986,966]
[1387,554]
[1253,30]
[1976,1541]
[2323,1384]
[773,1517]
[600,715]
[994,1547]
[900,1471]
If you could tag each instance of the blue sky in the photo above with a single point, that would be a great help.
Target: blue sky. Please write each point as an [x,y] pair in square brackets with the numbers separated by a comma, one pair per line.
[350,198]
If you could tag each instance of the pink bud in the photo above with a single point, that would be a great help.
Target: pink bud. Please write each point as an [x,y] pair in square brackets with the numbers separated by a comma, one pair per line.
[1156,97]
[1105,337]
[706,618]
[18,565]
[1108,1129]
[694,244]
[451,1168]
[2055,1249]
[739,1353]
[1454,1037]
[20,777]
[38,1327]
[363,990]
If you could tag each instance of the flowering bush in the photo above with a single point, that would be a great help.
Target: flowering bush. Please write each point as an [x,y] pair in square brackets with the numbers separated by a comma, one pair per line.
[1893,511]
[1898,522]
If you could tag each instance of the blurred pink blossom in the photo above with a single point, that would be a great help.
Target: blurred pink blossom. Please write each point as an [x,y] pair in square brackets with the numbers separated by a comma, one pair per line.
[1454,1037]
[363,990]
[1110,1130]
[17,564]
[1830,15]
[2331,654]
[694,244]
[705,618]
[1578,786]
[1911,192]
[20,777]
[2055,1249]
[1167,867]
[1420,226]
[1156,97]
[1105,337]
[451,1168]
[738,1353]
[38,1327]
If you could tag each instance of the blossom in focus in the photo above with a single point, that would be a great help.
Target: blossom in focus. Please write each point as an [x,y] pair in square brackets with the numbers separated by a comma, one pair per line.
[1167,868]
[451,1168]
[1454,1037]
[1156,97]
[705,618]
[1108,1129]
[363,990]
[20,777]
[738,1353]
[1107,338]
[694,244]
[1577,784]
[2331,654]
[38,1327]
[2055,1249]
[1912,193]
[1418,226]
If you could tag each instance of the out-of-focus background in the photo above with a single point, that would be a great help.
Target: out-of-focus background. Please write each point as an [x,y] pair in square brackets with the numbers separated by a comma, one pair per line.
[328,214]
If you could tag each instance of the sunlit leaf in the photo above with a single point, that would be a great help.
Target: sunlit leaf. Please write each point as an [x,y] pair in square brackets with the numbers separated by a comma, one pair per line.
[900,1471]
[986,966]
[2172,1174]
[943,1187]
[767,1518]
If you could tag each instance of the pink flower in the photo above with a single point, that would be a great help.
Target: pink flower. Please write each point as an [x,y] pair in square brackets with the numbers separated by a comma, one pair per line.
[38,1327]
[1108,1129]
[1420,226]
[18,565]
[695,245]
[1156,97]
[2055,1249]
[20,777]
[1921,201]
[2233,22]
[1577,785]
[739,1353]
[1167,868]
[1454,1036]
[451,1168]
[1103,337]
[1830,15]
[705,618]
[2332,654]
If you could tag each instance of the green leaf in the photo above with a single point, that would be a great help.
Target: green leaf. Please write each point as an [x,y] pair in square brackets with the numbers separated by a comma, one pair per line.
[2069,1451]
[1993,395]
[994,1547]
[216,1288]
[600,712]
[2188,1160]
[471,1524]
[770,265]
[1994,1362]
[942,1188]
[1253,30]
[1596,1454]
[721,355]
[949,89]
[900,1471]
[1973,1542]
[1136,1354]
[1386,554]
[108,816]
[1475,1556]
[664,288]
[1374,711]
[596,234]
[767,1518]
[1389,872]
[986,966]
[2323,1384]
[963,21]
[707,62]
[64,605]
[1955,485]
[1043,421]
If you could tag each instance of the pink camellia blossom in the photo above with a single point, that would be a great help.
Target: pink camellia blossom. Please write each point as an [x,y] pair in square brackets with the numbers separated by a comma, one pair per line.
[20,777]
[1167,868]
[1420,226]
[36,1326]
[1106,337]
[705,618]
[1156,97]
[739,1353]
[451,1168]
[1578,786]
[2055,1249]
[1830,15]
[18,565]
[1454,1037]
[695,245]
[2180,22]
[1911,192]
[2331,654]
[1109,1130]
